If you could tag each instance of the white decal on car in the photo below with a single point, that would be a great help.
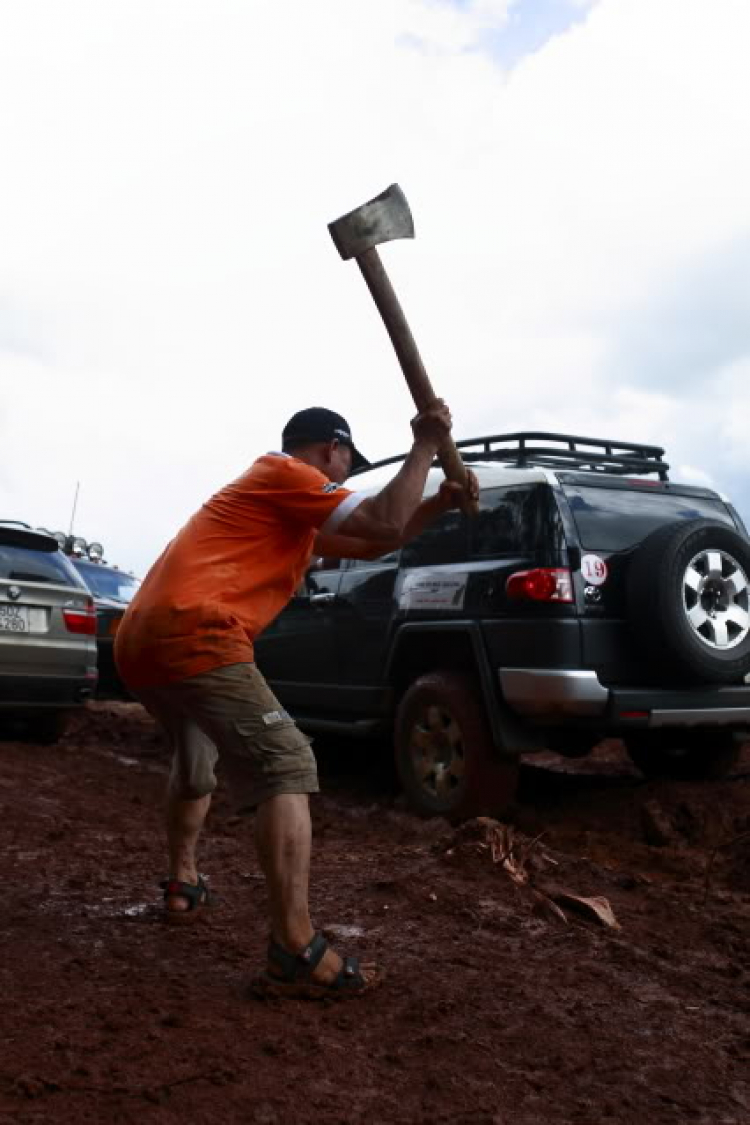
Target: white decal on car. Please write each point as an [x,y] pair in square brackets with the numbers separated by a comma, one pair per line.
[594,570]
[433,591]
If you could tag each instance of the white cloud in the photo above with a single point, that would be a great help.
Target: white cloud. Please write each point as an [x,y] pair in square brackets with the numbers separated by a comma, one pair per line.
[692,475]
[437,26]
[169,293]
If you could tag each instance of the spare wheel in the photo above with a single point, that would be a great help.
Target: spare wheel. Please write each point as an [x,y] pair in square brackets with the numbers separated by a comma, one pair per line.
[688,590]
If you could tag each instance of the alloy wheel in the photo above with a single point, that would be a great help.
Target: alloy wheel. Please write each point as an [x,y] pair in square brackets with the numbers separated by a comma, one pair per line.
[437,751]
[715,598]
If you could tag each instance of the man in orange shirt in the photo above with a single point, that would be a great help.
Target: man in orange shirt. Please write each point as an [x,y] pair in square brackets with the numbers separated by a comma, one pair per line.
[185,649]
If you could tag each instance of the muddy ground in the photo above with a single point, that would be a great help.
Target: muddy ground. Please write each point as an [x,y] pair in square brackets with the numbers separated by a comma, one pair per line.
[499,1008]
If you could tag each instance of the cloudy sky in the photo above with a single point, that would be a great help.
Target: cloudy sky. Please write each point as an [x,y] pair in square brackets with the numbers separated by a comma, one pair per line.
[579,175]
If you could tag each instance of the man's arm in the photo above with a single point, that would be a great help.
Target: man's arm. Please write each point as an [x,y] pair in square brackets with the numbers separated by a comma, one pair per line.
[384,517]
[353,547]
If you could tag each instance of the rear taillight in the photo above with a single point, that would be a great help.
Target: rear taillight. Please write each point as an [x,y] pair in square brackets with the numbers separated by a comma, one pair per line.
[545,584]
[81,620]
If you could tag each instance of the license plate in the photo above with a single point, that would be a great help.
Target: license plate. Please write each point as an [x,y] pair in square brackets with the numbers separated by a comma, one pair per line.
[14,619]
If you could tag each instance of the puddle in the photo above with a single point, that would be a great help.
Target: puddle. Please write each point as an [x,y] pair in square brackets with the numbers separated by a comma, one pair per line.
[109,908]
[137,910]
[343,932]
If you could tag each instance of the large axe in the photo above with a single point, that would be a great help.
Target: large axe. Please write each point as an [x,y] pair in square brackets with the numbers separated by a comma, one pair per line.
[356,235]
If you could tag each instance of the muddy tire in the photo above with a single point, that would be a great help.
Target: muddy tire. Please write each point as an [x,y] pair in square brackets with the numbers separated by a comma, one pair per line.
[445,757]
[689,602]
[687,755]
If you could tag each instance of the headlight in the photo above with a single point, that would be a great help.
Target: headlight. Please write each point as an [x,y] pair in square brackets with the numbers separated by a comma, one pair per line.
[79,546]
[61,538]
[96,551]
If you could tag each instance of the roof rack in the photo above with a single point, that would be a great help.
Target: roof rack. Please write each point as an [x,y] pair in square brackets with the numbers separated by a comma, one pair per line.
[595,455]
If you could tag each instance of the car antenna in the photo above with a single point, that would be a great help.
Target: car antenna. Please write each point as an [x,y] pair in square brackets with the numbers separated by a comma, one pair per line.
[75,505]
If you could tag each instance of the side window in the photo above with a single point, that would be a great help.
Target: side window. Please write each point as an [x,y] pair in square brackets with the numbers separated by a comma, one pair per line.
[318,576]
[326,564]
[507,523]
[446,541]
[381,560]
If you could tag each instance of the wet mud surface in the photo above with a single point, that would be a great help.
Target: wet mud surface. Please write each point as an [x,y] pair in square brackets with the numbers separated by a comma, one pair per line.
[505,1003]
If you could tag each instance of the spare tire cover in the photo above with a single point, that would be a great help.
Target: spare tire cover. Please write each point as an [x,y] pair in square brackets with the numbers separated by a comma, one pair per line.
[688,590]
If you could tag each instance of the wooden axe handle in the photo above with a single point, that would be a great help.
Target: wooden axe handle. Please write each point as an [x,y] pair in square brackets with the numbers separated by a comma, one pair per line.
[417,379]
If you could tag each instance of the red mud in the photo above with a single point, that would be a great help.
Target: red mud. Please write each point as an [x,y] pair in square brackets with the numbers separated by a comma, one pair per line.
[495,1011]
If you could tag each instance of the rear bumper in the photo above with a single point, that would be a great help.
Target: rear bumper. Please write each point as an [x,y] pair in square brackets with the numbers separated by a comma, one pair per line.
[546,696]
[31,692]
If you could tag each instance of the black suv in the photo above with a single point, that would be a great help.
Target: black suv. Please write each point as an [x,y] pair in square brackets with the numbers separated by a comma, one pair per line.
[590,597]
[113,590]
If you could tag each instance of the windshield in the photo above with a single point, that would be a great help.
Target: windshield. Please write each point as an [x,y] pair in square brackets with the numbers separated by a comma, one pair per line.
[108,583]
[616,519]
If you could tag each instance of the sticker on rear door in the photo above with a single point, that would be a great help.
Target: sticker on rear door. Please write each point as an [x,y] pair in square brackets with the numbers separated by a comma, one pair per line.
[433,591]
[594,570]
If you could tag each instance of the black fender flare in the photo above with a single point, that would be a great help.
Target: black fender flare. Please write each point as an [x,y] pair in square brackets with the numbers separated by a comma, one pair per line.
[511,735]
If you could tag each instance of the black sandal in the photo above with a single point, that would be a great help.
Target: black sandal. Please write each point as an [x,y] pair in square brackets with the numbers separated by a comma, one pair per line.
[196,895]
[294,975]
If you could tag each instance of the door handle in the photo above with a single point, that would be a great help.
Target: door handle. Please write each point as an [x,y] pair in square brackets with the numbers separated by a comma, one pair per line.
[322,599]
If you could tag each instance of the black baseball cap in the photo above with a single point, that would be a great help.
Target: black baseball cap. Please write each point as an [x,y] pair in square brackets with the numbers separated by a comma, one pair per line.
[318,424]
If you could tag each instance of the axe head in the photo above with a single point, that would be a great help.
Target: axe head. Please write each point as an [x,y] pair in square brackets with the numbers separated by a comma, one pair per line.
[384,218]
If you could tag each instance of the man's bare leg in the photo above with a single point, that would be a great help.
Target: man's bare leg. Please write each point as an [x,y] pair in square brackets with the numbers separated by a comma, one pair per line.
[284,840]
[185,819]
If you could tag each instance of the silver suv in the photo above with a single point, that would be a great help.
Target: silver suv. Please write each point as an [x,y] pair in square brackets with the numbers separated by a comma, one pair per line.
[47,633]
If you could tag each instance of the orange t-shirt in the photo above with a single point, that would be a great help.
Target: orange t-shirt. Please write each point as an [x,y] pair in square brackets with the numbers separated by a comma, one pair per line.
[229,571]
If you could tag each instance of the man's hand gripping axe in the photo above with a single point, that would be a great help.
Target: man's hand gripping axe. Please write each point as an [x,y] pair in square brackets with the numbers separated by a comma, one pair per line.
[357,235]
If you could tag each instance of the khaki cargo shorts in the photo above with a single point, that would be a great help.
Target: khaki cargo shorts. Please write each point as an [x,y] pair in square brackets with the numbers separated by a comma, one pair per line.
[230,715]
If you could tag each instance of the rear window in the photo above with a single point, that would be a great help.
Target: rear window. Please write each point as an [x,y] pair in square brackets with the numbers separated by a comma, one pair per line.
[512,521]
[19,564]
[617,519]
[515,521]
[444,541]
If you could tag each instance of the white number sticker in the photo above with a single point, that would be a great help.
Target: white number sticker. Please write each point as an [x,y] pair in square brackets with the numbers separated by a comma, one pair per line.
[594,570]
